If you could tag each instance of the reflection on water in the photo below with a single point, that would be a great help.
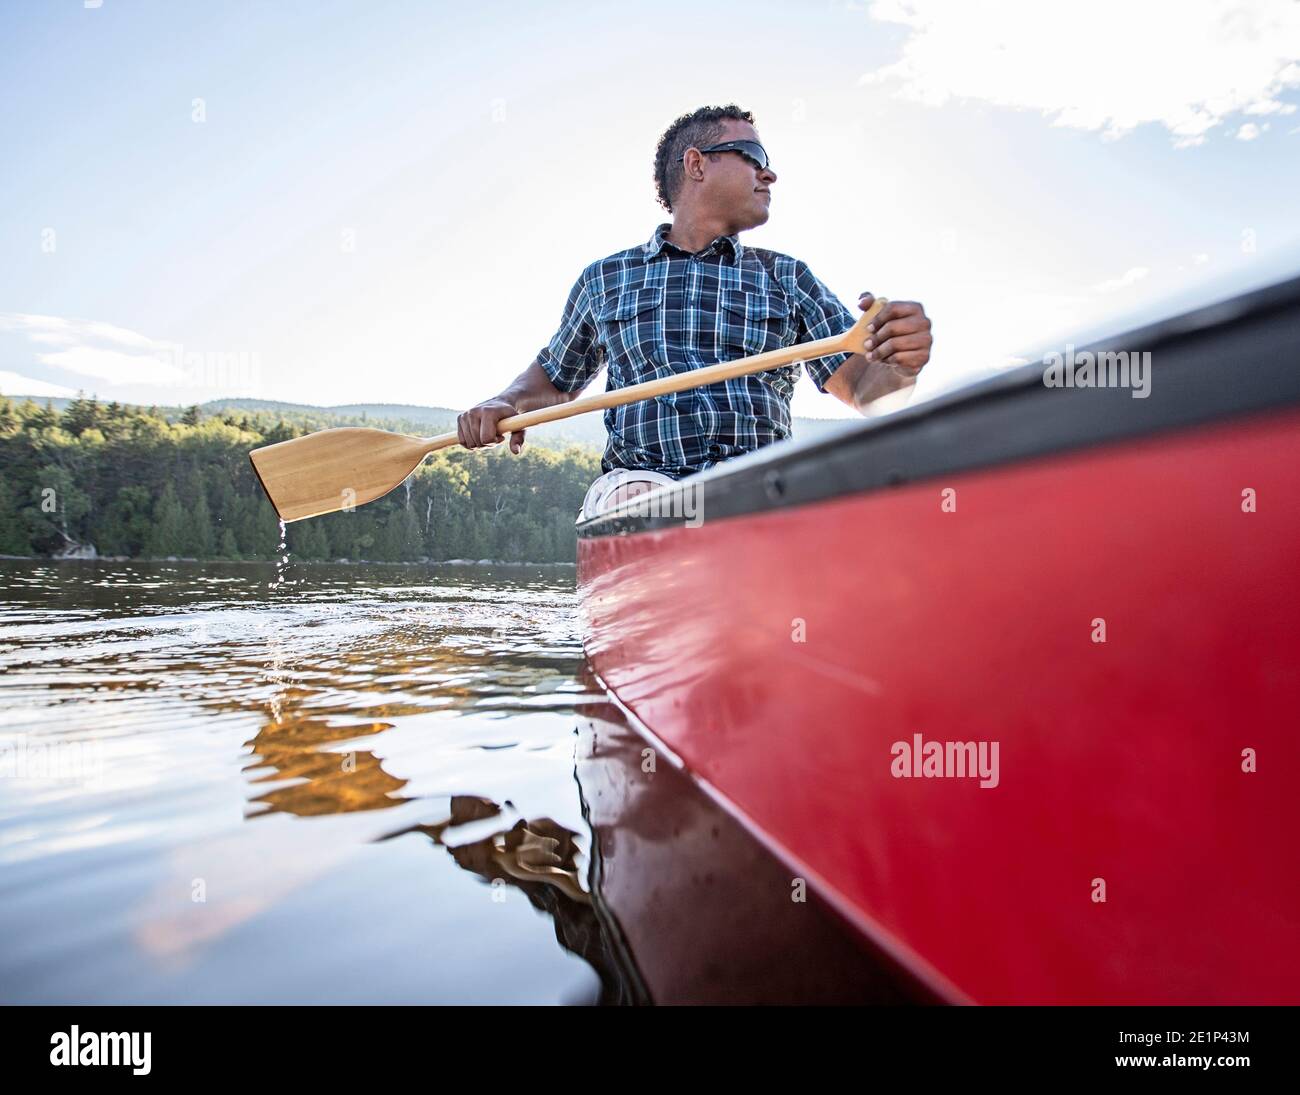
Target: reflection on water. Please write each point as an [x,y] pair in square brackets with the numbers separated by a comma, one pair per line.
[221,786]
[544,860]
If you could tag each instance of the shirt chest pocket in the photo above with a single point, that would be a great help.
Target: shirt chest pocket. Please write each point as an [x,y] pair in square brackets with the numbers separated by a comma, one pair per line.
[753,323]
[630,326]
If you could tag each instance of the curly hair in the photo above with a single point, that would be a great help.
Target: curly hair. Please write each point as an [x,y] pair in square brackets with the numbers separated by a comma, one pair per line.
[694,130]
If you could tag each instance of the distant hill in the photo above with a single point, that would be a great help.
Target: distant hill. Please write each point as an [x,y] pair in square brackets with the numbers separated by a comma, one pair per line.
[408,411]
[408,417]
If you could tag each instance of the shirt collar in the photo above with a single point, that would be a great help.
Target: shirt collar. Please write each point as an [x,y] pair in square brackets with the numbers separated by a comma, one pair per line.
[659,241]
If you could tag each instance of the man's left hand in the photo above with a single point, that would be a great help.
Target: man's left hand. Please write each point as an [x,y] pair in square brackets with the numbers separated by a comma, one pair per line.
[899,336]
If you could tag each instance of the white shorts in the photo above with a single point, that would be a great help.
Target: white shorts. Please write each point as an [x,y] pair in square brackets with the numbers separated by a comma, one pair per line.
[604,493]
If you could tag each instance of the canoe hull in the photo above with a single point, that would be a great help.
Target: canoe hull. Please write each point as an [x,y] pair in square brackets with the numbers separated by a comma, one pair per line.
[703,913]
[1127,853]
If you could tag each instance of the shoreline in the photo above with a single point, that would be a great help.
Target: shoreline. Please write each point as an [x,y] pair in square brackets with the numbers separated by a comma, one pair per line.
[291,562]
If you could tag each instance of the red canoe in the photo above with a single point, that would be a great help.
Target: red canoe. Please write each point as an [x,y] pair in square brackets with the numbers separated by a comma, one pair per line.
[1011,678]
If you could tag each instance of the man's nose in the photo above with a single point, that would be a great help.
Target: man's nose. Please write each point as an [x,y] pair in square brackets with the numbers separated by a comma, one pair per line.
[767,175]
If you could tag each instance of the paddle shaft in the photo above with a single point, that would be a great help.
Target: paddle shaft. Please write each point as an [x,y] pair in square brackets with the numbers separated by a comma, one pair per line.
[849,342]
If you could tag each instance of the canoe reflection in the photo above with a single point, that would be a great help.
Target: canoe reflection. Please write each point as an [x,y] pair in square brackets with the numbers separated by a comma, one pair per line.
[677,904]
[543,860]
[708,914]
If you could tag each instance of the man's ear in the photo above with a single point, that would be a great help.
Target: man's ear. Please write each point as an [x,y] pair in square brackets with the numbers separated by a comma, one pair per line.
[693,164]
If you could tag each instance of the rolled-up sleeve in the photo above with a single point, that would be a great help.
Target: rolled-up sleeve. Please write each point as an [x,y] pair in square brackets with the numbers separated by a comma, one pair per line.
[821,315]
[573,356]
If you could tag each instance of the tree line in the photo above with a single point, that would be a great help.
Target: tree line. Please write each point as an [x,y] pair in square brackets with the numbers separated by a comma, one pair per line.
[135,482]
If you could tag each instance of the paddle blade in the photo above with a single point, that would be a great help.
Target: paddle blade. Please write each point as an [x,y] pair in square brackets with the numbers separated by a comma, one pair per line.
[335,469]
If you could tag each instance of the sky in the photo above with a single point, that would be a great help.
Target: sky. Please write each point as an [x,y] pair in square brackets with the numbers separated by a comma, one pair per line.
[387,202]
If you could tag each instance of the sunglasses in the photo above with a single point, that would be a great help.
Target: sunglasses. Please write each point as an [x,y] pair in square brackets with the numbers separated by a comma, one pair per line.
[754,152]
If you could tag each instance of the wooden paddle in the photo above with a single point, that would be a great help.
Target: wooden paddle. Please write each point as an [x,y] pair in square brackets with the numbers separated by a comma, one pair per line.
[346,467]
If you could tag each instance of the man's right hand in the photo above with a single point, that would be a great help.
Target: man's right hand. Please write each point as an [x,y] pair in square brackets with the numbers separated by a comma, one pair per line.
[477,426]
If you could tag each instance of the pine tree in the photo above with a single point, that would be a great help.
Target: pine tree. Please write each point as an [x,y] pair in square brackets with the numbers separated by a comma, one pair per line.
[257,527]
[80,415]
[10,421]
[168,534]
[14,537]
[388,543]
[308,542]
[200,539]
[125,527]
[227,547]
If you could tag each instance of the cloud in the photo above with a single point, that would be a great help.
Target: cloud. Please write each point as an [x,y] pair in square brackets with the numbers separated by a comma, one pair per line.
[113,366]
[14,384]
[1107,65]
[1131,276]
[1250,131]
[59,330]
[97,350]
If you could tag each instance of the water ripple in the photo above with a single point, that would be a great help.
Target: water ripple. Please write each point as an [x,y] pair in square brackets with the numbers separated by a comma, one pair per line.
[169,729]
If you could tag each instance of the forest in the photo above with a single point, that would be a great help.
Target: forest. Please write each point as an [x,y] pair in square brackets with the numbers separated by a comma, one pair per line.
[136,482]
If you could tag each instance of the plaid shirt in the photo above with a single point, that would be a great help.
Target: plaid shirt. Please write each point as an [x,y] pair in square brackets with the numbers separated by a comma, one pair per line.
[655,310]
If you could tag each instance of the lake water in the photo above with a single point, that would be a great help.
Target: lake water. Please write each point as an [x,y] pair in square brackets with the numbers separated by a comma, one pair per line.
[361,784]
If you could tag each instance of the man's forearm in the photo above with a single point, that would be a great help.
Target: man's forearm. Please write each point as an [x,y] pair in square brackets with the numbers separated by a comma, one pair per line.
[859,382]
[880,379]
[532,390]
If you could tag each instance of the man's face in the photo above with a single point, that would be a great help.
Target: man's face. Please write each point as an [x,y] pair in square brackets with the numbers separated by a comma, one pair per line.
[733,187]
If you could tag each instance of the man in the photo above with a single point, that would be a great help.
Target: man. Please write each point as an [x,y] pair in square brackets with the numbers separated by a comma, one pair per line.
[694,296]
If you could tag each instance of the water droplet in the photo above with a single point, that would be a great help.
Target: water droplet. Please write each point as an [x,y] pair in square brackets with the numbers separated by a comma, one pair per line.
[281,556]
